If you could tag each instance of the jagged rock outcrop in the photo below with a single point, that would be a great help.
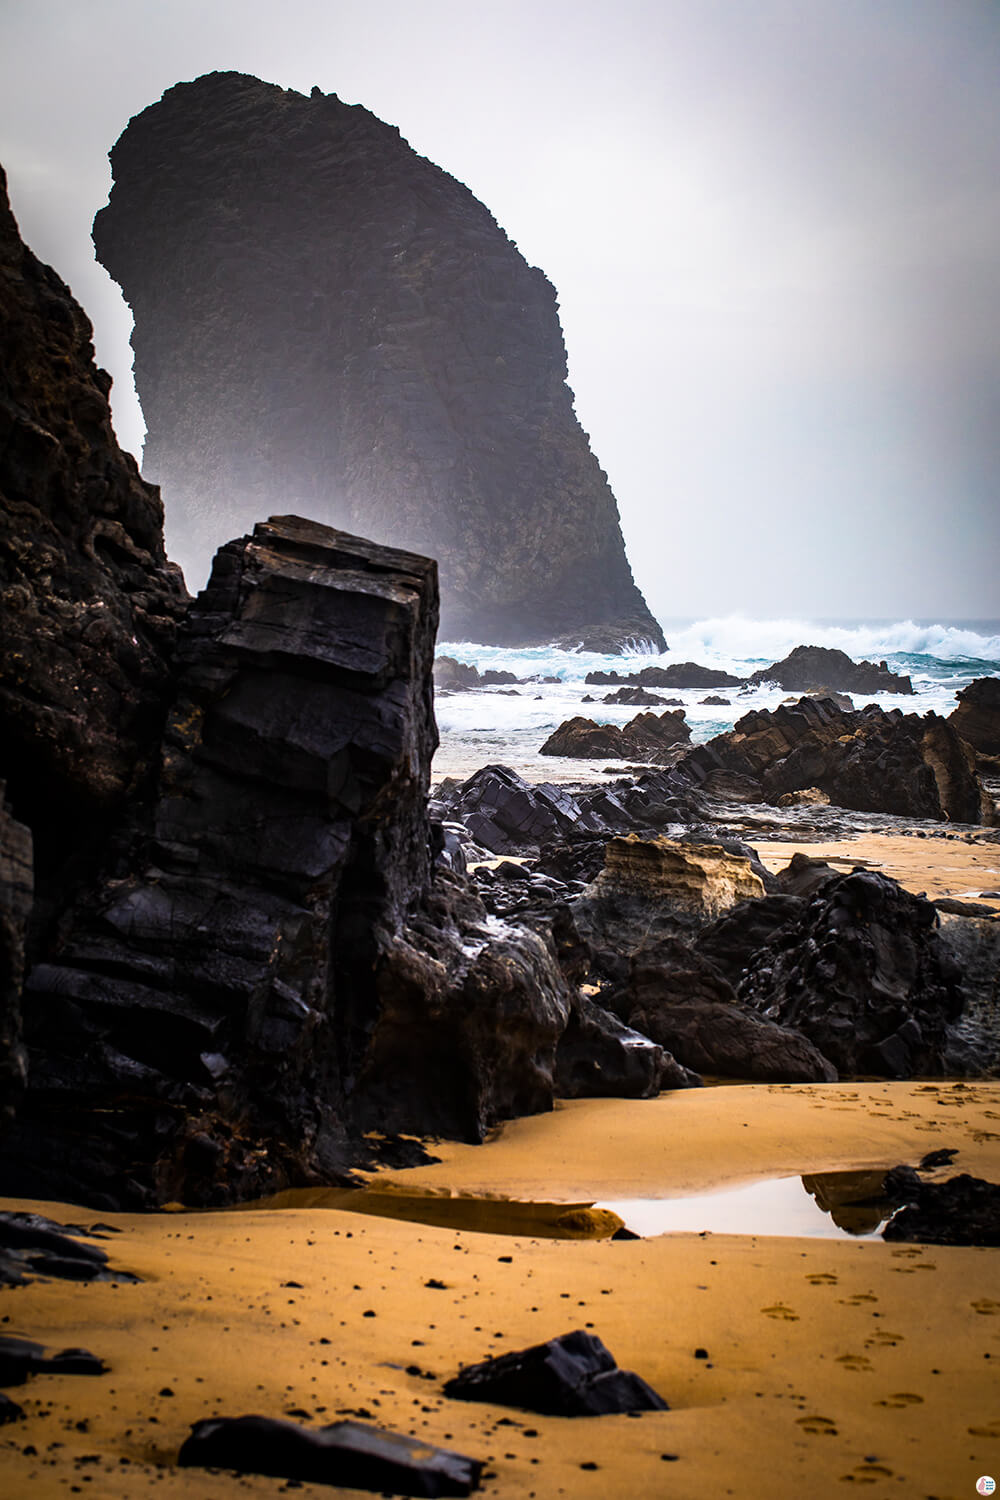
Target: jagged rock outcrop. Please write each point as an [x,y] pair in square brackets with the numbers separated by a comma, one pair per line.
[977,717]
[647,737]
[862,972]
[810,669]
[325,316]
[266,968]
[869,760]
[88,608]
[89,601]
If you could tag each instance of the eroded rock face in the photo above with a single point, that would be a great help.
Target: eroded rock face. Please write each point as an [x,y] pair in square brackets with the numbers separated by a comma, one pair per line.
[651,888]
[16,895]
[868,760]
[814,668]
[89,603]
[977,717]
[324,315]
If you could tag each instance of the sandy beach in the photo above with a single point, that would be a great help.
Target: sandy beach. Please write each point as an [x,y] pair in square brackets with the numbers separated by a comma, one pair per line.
[823,1363]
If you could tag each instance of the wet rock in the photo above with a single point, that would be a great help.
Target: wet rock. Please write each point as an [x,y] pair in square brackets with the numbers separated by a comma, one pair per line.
[416,372]
[714,701]
[506,815]
[862,973]
[678,998]
[571,1376]
[682,674]
[599,1058]
[648,737]
[732,940]
[977,717]
[348,1455]
[869,760]
[191,996]
[636,697]
[964,1210]
[802,876]
[812,668]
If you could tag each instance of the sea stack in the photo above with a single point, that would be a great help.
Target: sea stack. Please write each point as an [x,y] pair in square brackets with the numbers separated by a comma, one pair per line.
[328,323]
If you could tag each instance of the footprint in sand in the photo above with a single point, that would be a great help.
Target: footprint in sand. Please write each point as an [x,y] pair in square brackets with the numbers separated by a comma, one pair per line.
[857,1299]
[822,1278]
[987,1307]
[779,1310]
[899,1399]
[884,1339]
[854,1361]
[906,1250]
[990,1430]
[980,1136]
[867,1474]
[820,1426]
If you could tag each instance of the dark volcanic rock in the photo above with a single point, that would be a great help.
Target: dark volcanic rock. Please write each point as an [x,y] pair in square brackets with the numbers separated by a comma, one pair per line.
[89,602]
[598,1057]
[647,737]
[455,676]
[864,975]
[348,1455]
[507,816]
[868,760]
[635,697]
[324,315]
[571,1376]
[205,1001]
[88,607]
[678,998]
[809,669]
[977,717]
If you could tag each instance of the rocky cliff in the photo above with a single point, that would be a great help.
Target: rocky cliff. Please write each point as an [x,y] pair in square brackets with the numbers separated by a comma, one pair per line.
[328,323]
[88,609]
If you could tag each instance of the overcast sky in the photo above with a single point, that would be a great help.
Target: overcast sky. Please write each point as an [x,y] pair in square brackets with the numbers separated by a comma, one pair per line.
[774,228]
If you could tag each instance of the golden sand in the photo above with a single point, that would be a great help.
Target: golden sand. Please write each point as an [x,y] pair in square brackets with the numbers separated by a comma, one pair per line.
[832,1365]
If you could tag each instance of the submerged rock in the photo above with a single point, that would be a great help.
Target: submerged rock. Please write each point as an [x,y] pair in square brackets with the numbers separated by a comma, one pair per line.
[810,669]
[571,1376]
[348,1455]
[325,315]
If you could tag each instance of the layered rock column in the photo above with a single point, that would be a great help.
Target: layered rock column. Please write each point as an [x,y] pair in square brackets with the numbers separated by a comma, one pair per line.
[327,322]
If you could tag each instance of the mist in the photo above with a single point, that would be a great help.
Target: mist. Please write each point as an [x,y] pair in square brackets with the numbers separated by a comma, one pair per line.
[774,230]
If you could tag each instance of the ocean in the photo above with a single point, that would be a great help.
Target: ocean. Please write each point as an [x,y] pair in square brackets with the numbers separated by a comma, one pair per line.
[508,725]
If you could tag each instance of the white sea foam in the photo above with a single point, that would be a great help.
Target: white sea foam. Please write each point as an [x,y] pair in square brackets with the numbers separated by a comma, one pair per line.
[491,726]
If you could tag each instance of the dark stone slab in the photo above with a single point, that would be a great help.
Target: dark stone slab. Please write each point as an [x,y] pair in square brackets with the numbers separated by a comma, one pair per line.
[571,1376]
[20,1358]
[348,1455]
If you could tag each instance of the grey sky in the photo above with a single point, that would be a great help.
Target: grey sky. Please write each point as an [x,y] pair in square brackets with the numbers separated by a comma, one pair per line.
[774,226]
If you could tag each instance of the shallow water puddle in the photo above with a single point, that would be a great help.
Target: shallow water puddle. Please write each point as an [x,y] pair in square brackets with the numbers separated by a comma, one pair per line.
[830,1204]
[826,1204]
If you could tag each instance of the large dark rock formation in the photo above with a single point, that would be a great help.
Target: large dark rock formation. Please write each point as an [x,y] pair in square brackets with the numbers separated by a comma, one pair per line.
[327,320]
[647,737]
[88,605]
[977,717]
[861,972]
[810,669]
[869,760]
